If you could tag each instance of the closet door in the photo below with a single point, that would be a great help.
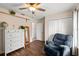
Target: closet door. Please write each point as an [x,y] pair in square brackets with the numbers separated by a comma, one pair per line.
[39,31]
[33,31]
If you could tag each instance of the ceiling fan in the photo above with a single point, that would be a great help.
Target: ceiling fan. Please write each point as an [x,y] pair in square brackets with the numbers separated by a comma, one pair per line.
[32,7]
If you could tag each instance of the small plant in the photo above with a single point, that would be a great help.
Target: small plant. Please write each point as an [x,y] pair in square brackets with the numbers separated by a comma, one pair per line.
[12,12]
[21,27]
[4,24]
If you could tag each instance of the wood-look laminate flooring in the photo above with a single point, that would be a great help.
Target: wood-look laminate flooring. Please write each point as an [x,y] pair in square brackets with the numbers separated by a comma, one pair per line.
[36,49]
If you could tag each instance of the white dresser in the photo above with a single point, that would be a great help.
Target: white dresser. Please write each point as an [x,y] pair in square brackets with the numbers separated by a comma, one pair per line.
[14,39]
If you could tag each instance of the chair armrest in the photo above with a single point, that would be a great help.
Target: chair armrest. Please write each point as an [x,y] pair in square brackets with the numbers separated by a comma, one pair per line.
[66,50]
[56,52]
[63,46]
[51,51]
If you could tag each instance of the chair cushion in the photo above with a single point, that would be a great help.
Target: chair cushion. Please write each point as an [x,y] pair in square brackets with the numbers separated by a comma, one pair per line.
[58,42]
[59,39]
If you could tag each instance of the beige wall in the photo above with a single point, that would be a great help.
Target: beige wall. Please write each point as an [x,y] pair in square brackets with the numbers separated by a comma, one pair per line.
[11,20]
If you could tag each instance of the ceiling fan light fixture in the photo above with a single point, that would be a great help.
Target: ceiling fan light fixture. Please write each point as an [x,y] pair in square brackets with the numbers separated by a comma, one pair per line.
[32,8]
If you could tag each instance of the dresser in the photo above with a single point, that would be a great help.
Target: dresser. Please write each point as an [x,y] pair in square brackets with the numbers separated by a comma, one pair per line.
[14,39]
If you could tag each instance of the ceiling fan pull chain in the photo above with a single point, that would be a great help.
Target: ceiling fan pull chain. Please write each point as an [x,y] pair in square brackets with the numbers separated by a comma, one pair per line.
[33,12]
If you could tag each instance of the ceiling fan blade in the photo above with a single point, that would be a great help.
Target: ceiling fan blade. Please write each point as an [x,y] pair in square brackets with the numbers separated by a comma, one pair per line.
[22,8]
[36,5]
[28,4]
[41,9]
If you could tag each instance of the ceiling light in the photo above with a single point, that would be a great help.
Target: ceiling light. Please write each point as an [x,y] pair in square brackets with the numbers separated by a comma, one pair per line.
[32,8]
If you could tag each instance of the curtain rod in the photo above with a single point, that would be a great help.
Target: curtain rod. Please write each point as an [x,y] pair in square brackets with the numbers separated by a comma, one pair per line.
[62,18]
[13,15]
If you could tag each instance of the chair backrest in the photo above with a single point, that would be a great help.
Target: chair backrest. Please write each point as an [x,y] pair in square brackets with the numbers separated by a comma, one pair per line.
[61,39]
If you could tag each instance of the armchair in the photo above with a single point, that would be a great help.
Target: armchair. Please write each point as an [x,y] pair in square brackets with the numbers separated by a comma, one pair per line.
[59,45]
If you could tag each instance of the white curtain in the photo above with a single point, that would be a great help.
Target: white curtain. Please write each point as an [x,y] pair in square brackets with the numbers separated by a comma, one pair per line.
[75,32]
[78,32]
[64,26]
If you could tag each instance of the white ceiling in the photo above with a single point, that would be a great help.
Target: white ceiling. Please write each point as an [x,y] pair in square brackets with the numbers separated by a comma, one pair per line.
[51,8]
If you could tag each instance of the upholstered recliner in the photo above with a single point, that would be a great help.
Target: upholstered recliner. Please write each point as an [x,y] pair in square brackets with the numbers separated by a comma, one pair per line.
[58,45]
